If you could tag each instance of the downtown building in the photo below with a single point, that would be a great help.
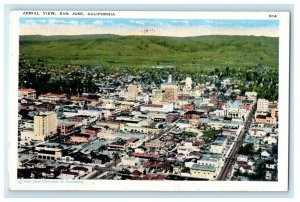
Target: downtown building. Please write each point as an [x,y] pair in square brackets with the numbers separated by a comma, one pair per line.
[133,91]
[170,92]
[45,124]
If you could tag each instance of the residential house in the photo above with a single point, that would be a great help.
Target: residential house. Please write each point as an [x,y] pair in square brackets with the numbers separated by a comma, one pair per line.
[27,93]
[265,155]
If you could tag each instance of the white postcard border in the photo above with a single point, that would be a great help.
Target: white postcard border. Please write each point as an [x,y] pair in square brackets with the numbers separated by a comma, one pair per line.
[280,185]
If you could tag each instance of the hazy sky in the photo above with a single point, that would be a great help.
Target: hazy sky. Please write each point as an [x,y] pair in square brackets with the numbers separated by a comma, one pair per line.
[161,27]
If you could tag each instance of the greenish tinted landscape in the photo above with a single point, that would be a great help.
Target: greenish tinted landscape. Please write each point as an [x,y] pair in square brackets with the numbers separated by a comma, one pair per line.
[146,51]
[72,64]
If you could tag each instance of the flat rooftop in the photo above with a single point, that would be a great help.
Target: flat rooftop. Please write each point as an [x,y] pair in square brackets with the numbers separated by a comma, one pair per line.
[203,167]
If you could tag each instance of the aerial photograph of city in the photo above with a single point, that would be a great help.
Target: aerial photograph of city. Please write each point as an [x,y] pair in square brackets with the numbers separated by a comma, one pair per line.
[148,99]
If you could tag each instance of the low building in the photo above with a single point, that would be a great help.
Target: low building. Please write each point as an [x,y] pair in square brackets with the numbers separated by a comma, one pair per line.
[27,134]
[255,132]
[154,144]
[81,170]
[219,145]
[110,124]
[65,127]
[50,97]
[118,145]
[134,142]
[271,165]
[129,161]
[268,175]
[82,138]
[157,117]
[194,123]
[171,117]
[183,123]
[145,155]
[188,107]
[272,139]
[203,171]
[68,175]
[192,115]
[67,159]
[165,108]
[27,93]
[251,95]
[242,158]
[265,119]
[91,130]
[247,169]
[48,152]
[139,129]
[211,160]
[265,155]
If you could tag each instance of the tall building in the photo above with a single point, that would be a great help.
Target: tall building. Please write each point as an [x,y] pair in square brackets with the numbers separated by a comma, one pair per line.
[45,124]
[171,93]
[188,83]
[133,91]
[157,96]
[170,78]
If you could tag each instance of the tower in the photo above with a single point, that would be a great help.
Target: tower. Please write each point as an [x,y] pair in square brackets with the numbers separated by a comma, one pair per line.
[188,83]
[133,91]
[170,78]
[45,124]
[171,93]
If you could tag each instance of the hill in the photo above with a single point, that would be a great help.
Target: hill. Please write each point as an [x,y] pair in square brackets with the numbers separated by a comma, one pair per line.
[145,51]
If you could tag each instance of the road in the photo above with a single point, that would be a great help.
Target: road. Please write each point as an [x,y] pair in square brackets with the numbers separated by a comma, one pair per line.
[230,160]
[173,125]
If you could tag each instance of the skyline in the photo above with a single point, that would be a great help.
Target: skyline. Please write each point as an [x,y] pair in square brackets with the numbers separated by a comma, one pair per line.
[135,26]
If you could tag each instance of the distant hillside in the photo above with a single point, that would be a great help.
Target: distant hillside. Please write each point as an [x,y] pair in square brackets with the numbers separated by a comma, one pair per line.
[135,51]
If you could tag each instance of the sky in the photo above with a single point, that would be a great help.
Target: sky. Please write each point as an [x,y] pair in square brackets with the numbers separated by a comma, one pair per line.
[160,27]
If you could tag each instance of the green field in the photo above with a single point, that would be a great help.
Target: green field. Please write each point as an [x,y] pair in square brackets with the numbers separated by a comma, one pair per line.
[147,51]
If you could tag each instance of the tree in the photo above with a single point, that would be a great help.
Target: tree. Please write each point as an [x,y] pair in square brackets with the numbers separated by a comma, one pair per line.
[227,71]
[259,172]
[217,71]
[115,158]
[102,147]
[188,134]
[211,133]
[248,149]
[185,170]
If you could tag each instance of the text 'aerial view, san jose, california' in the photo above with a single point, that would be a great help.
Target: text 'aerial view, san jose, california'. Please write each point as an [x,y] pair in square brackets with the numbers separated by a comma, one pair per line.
[103,97]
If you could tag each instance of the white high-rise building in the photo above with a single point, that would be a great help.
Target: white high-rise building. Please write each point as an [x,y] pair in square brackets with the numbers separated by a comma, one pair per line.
[188,83]
[170,78]
[45,124]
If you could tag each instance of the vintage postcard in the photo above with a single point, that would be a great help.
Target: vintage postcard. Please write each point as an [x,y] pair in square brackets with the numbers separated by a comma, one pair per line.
[156,101]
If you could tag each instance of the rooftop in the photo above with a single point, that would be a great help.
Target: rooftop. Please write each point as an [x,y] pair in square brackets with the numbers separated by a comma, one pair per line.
[203,167]
[207,157]
[153,106]
[29,90]
[61,122]
[219,140]
[54,95]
